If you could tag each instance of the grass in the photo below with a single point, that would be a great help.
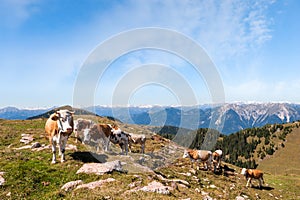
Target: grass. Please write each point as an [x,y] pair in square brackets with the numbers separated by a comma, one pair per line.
[29,174]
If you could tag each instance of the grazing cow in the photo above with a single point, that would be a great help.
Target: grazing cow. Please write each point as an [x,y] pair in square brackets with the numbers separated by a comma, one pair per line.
[121,138]
[137,139]
[79,126]
[106,133]
[203,155]
[96,134]
[58,128]
[216,159]
[253,173]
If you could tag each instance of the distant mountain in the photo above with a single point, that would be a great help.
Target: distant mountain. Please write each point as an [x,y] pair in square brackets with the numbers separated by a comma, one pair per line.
[16,113]
[233,117]
[227,118]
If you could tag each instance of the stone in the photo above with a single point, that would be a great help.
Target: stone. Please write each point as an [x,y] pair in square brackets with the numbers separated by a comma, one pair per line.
[157,187]
[26,138]
[101,168]
[239,198]
[2,180]
[71,185]
[36,145]
[95,184]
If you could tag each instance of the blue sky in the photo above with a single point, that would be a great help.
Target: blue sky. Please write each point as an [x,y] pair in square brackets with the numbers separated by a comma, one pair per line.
[44,44]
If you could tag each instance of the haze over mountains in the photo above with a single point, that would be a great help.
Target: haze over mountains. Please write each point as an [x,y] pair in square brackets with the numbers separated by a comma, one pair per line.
[228,118]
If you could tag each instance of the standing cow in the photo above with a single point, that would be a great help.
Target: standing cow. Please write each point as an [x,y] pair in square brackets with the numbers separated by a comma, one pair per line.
[202,155]
[58,128]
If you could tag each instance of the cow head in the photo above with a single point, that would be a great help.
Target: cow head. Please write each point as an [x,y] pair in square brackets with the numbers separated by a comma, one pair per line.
[64,120]
[244,171]
[185,154]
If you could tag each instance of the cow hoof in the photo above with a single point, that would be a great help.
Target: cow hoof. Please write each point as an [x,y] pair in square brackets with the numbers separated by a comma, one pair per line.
[62,161]
[53,162]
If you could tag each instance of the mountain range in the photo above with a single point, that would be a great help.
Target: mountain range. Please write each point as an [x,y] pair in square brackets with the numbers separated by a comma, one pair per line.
[227,118]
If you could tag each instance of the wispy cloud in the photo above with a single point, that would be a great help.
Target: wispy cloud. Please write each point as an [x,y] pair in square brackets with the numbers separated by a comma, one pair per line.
[14,12]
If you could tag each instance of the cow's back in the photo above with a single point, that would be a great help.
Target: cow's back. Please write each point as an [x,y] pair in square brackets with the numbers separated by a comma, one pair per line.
[204,154]
[106,129]
[51,127]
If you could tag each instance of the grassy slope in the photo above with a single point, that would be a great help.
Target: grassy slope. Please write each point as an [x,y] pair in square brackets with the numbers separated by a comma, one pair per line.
[285,161]
[29,175]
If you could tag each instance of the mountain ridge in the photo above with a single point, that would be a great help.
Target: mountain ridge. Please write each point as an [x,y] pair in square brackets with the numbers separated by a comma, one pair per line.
[227,118]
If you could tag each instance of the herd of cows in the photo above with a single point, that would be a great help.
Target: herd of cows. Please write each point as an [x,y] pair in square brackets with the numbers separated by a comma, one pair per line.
[60,125]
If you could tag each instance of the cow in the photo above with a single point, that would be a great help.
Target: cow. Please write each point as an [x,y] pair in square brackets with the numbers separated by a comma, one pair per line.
[216,159]
[253,173]
[203,155]
[119,137]
[79,126]
[59,126]
[137,139]
[106,133]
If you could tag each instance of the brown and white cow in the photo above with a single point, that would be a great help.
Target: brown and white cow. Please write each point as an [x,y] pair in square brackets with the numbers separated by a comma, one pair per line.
[137,139]
[253,173]
[203,155]
[105,133]
[58,128]
[79,126]
[216,159]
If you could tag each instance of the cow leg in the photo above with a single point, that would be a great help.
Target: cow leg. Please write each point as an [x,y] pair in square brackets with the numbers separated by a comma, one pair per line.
[129,145]
[59,143]
[62,146]
[107,144]
[126,148]
[249,182]
[143,148]
[53,145]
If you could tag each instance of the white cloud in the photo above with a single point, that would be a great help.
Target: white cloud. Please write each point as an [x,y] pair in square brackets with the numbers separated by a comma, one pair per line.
[15,12]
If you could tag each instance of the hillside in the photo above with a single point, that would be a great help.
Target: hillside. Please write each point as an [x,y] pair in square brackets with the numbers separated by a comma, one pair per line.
[28,174]
[284,161]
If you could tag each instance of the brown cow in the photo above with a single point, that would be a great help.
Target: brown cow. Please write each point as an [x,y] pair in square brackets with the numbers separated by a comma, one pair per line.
[58,128]
[253,173]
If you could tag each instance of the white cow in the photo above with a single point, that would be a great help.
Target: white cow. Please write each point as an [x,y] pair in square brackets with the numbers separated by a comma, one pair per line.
[58,128]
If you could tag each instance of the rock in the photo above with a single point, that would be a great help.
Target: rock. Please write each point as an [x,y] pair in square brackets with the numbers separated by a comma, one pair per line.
[101,168]
[26,138]
[36,145]
[42,147]
[71,185]
[23,147]
[95,184]
[213,186]
[239,198]
[157,187]
[2,180]
[207,197]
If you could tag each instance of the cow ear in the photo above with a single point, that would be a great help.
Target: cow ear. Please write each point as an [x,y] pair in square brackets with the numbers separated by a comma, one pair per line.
[54,117]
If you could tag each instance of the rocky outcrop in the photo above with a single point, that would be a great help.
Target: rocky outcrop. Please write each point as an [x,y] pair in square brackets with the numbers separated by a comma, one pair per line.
[154,186]
[78,184]
[71,185]
[95,184]
[101,168]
